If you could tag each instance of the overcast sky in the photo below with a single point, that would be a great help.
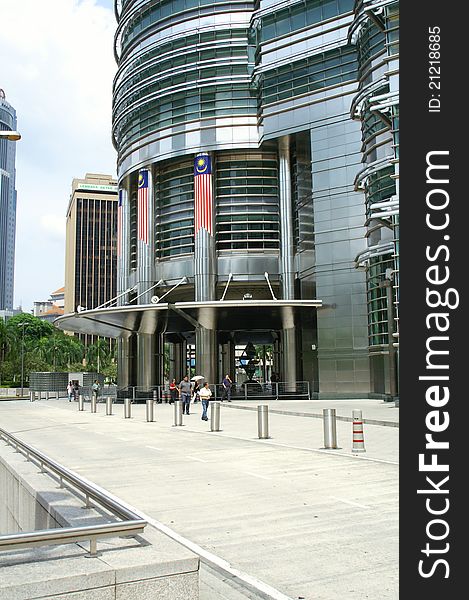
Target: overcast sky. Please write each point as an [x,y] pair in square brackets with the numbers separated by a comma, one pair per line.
[56,67]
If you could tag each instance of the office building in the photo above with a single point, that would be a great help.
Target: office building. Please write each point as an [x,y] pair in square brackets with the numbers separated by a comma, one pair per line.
[90,255]
[7,205]
[258,169]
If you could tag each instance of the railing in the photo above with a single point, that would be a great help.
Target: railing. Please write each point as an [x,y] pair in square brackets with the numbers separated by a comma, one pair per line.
[131,524]
[296,390]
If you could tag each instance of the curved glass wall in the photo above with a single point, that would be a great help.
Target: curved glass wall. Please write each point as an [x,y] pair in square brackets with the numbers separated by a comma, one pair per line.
[174,209]
[247,201]
[190,79]
[309,74]
[375,32]
[299,15]
[144,17]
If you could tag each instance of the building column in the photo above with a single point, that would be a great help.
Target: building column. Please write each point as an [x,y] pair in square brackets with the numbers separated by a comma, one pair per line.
[122,242]
[124,343]
[287,269]
[145,248]
[178,360]
[227,362]
[205,273]
[288,371]
[147,342]
[125,360]
[206,349]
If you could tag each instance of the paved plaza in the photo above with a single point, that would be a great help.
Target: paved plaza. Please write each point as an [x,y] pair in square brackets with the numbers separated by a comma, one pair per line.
[313,523]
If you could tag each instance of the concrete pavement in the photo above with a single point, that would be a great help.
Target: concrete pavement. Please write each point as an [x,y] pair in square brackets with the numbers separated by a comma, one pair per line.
[314,524]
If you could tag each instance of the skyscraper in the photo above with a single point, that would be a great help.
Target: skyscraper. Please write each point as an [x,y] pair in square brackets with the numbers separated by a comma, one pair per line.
[263,137]
[7,205]
[90,255]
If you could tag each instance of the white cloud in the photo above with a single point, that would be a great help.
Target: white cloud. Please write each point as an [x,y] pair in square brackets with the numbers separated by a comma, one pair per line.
[57,70]
[54,226]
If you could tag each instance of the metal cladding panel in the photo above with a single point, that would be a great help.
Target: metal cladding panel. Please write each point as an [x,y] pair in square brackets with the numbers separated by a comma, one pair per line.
[231,315]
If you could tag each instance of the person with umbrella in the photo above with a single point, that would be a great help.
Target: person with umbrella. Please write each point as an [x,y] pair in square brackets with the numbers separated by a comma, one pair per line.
[197,379]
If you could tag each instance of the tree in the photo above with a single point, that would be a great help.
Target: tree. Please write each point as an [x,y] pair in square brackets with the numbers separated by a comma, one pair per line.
[35,345]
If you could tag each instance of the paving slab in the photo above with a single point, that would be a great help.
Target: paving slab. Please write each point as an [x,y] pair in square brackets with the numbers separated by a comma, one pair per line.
[316,524]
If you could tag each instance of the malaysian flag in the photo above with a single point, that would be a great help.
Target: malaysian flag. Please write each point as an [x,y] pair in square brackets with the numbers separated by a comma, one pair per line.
[119,224]
[203,196]
[142,201]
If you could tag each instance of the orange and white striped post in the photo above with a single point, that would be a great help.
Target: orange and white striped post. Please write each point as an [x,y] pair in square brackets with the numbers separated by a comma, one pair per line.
[358,437]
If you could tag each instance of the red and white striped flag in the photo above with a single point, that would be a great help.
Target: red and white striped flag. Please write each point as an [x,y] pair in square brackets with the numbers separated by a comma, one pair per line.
[203,195]
[142,201]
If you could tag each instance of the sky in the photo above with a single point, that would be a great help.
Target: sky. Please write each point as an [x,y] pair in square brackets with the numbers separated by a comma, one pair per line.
[56,68]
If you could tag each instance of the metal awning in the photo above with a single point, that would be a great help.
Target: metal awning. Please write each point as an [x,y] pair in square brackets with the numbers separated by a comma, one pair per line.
[178,317]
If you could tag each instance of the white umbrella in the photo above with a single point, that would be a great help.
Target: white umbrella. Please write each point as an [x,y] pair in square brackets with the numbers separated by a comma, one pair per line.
[197,377]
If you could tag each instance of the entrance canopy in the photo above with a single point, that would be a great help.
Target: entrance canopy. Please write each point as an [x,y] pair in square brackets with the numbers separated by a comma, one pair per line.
[220,315]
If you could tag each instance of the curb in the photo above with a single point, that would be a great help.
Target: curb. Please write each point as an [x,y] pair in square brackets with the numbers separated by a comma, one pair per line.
[292,413]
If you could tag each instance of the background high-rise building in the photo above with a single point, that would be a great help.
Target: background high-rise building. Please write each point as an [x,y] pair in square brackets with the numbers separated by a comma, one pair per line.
[289,111]
[7,205]
[90,255]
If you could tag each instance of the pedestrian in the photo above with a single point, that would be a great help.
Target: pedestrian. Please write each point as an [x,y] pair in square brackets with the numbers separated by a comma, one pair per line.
[185,394]
[70,391]
[76,391]
[226,388]
[96,389]
[205,395]
[173,390]
[196,390]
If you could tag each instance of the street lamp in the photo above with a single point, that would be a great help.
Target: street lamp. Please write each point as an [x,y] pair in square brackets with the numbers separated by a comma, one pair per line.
[8,134]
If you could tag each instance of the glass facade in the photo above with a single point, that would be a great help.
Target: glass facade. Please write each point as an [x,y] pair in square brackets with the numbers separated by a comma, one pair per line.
[376,107]
[294,105]
[7,205]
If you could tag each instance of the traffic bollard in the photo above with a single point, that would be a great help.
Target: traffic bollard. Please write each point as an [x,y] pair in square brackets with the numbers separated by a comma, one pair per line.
[109,405]
[214,416]
[93,403]
[150,406]
[127,408]
[358,437]
[263,421]
[177,413]
[81,403]
[330,431]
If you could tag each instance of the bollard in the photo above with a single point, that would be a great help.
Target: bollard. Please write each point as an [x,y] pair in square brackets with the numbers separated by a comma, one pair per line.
[47,395]
[177,413]
[214,416]
[93,403]
[109,405]
[155,396]
[81,404]
[263,421]
[330,432]
[358,437]
[127,408]
[150,405]
[31,396]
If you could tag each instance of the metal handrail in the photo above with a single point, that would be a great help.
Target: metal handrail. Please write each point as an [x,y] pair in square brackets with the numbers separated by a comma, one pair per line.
[132,523]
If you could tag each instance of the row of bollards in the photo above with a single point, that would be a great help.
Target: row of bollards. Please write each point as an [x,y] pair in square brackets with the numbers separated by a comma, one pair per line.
[329,420]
